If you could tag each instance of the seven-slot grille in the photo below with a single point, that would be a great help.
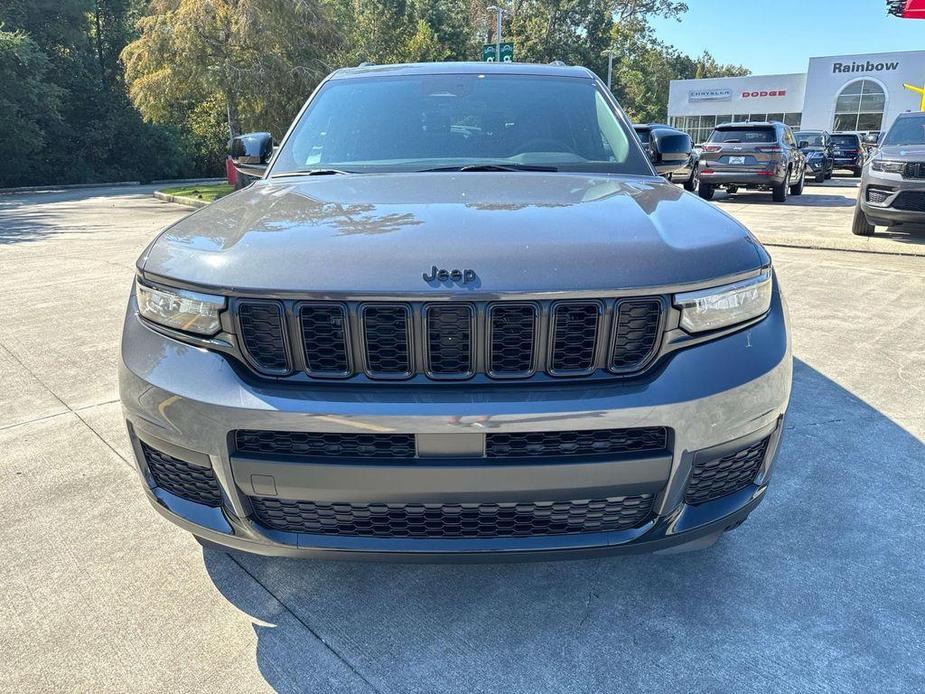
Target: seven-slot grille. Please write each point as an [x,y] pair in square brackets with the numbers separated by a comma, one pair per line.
[914,169]
[450,340]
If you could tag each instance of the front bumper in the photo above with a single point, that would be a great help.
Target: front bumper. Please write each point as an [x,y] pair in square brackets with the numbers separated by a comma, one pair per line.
[891,185]
[741,178]
[716,396]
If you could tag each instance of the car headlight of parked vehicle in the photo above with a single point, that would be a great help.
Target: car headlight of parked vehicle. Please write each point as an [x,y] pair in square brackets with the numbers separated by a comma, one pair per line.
[721,307]
[179,309]
[887,166]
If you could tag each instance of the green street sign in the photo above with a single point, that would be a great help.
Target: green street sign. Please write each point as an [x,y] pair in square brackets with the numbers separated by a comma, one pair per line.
[507,52]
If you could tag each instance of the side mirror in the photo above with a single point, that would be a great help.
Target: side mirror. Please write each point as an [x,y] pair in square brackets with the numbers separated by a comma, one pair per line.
[670,149]
[803,143]
[251,152]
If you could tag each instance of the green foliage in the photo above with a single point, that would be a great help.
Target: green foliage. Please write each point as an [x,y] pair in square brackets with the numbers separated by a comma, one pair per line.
[27,107]
[95,90]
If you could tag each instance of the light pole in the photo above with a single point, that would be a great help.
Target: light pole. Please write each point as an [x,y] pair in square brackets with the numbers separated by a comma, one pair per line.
[500,10]
[609,54]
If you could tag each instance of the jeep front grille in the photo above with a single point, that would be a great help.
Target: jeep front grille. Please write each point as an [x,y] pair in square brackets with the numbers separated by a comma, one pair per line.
[450,340]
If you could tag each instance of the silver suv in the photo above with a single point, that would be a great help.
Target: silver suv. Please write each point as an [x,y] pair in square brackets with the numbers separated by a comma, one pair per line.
[892,189]
[756,156]
[458,315]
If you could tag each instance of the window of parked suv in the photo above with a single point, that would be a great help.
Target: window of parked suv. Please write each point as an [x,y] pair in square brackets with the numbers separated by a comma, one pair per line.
[810,138]
[906,131]
[424,122]
[745,135]
[850,141]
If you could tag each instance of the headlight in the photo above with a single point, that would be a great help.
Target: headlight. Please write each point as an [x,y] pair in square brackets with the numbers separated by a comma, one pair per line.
[719,307]
[888,166]
[179,309]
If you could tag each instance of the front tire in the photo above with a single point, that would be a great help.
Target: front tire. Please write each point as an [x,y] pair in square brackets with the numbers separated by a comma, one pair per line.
[856,171]
[797,188]
[820,177]
[691,183]
[859,225]
[705,190]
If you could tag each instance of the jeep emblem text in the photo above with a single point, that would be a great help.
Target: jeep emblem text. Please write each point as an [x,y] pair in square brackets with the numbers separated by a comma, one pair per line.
[455,275]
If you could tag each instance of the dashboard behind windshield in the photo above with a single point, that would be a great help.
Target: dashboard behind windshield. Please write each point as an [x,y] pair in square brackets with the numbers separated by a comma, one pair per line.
[420,122]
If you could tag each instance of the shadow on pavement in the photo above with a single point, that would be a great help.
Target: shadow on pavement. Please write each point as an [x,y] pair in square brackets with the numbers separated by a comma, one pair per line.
[819,590]
[810,198]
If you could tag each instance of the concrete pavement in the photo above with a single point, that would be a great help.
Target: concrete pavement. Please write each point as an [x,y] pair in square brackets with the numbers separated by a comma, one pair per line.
[819,591]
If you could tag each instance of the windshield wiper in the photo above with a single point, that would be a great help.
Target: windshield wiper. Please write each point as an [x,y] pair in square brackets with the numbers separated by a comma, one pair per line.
[492,167]
[314,172]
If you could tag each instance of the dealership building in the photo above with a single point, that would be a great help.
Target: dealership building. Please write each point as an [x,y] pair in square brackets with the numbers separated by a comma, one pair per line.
[844,92]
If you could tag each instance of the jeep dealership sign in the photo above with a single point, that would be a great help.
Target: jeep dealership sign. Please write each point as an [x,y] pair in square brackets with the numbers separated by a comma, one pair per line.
[808,99]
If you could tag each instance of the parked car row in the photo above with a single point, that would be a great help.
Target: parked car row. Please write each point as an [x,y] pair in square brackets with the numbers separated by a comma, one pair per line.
[763,156]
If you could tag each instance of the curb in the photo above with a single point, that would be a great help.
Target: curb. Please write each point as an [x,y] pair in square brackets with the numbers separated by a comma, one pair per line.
[181,181]
[67,186]
[180,199]
[874,245]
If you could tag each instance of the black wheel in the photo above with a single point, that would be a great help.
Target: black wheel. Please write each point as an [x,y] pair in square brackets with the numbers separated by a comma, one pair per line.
[820,177]
[732,189]
[779,190]
[856,171]
[859,225]
[705,190]
[829,174]
[691,183]
[797,188]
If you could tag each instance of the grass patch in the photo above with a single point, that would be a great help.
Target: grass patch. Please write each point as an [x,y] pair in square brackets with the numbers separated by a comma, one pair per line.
[208,192]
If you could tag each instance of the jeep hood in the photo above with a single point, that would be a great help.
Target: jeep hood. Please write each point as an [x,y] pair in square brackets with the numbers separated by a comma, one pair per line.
[901,152]
[519,232]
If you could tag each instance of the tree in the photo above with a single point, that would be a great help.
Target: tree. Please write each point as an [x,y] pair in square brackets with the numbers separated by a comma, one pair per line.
[258,59]
[28,104]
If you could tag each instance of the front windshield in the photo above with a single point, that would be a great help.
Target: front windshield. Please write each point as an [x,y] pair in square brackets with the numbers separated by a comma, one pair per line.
[422,122]
[906,131]
[810,138]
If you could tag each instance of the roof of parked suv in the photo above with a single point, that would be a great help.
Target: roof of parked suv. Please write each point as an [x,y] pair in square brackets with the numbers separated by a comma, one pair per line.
[750,124]
[463,68]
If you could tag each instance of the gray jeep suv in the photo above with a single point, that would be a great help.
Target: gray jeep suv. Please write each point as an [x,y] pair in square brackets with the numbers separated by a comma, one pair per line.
[459,315]
[892,189]
[757,156]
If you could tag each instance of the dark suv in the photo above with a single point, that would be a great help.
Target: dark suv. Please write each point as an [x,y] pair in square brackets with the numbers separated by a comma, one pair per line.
[459,314]
[756,156]
[848,152]
[816,146]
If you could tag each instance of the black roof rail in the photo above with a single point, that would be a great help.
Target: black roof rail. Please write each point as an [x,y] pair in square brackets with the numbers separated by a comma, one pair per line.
[557,63]
[366,63]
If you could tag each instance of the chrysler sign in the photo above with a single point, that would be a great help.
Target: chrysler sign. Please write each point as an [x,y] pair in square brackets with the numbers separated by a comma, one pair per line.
[709,95]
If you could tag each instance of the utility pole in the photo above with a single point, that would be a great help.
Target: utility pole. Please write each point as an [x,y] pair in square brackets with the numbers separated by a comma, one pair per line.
[609,54]
[501,11]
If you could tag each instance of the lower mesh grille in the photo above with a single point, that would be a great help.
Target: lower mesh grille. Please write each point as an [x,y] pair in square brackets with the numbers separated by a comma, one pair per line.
[470,520]
[911,200]
[712,479]
[186,480]
[876,195]
[306,444]
[590,442]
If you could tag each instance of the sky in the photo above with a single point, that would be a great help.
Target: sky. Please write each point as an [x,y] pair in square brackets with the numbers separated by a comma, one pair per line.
[780,36]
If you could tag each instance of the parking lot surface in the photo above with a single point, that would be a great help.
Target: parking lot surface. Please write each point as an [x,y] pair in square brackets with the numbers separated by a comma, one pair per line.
[820,590]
